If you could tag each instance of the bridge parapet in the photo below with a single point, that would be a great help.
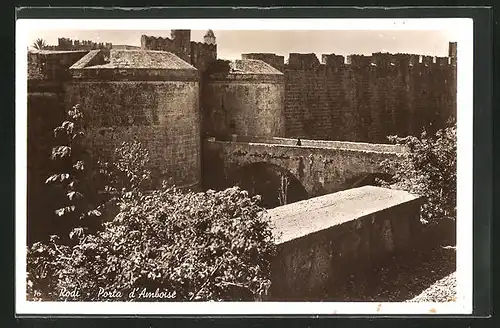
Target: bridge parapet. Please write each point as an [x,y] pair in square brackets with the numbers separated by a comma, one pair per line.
[326,144]
[320,166]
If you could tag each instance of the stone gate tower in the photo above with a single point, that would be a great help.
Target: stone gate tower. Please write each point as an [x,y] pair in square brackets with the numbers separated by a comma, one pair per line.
[182,42]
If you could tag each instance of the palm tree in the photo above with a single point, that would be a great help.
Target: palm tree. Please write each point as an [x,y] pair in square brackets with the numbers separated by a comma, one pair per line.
[39,44]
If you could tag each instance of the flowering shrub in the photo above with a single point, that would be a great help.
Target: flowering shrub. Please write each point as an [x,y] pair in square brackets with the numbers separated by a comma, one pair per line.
[429,169]
[177,246]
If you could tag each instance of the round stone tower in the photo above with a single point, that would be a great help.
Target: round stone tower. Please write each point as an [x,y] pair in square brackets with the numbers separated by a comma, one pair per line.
[244,97]
[148,96]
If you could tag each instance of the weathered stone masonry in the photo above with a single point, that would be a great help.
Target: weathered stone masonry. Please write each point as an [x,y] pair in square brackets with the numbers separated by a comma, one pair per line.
[149,96]
[321,167]
[245,97]
[47,74]
[365,98]
[358,98]
[173,93]
[199,54]
[324,240]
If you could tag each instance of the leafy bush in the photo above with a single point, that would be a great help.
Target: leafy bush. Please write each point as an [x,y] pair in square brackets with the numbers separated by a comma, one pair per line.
[190,246]
[88,187]
[156,245]
[429,169]
[70,170]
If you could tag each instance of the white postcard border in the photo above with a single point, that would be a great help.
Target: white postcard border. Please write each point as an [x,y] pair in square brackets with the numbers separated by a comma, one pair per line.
[463,27]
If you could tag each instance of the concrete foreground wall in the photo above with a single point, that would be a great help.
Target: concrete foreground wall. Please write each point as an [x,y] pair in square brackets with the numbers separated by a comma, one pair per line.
[323,240]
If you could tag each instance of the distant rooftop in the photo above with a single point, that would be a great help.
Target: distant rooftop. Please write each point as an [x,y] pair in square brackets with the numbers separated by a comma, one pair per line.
[244,69]
[252,66]
[141,65]
[142,59]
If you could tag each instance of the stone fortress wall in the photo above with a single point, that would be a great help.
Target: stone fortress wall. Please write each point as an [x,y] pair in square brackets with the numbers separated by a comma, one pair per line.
[67,44]
[354,98]
[365,98]
[358,98]
[174,92]
[198,54]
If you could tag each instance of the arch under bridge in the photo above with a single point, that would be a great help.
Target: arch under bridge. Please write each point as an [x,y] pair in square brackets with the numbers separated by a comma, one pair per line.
[308,168]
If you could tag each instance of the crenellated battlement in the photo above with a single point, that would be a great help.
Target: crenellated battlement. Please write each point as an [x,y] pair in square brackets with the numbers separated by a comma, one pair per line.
[357,97]
[381,60]
[198,54]
[333,60]
[302,61]
[274,60]
[157,43]
[367,97]
[203,55]
[384,60]
[67,44]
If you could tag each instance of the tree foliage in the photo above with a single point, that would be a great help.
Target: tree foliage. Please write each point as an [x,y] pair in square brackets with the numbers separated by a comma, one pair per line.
[89,187]
[39,44]
[69,163]
[190,246]
[162,244]
[77,184]
[429,168]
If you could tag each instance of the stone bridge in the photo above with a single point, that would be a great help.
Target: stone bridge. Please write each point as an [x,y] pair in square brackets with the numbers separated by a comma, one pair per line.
[313,168]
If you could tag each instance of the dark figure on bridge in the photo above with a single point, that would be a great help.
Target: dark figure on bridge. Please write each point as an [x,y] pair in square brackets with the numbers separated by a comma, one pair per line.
[299,143]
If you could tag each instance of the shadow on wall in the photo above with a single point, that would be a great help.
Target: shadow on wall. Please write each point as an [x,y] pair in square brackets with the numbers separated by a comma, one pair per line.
[276,185]
[368,179]
[359,180]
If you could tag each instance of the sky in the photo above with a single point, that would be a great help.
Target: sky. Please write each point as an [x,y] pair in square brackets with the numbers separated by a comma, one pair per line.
[232,43]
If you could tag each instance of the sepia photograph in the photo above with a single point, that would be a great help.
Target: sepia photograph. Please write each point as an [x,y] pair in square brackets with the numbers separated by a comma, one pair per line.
[256,166]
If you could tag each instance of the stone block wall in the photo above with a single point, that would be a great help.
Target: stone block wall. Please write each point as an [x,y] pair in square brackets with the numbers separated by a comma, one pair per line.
[68,44]
[243,107]
[47,73]
[157,43]
[203,55]
[244,97]
[162,115]
[322,241]
[274,60]
[45,113]
[182,43]
[365,98]
[321,169]
[52,66]
[198,54]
